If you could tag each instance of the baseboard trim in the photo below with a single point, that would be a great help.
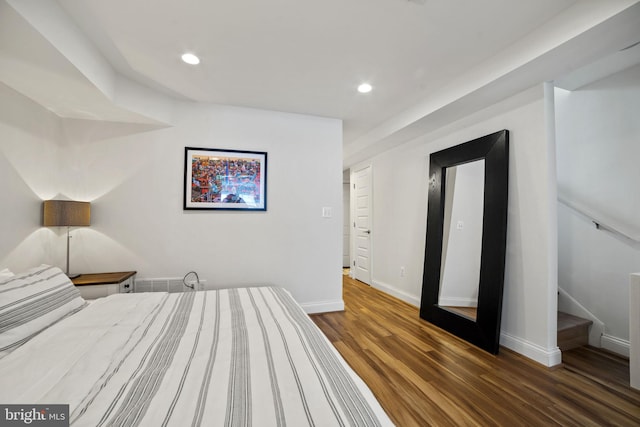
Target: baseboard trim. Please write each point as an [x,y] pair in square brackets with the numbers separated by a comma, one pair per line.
[532,351]
[323,306]
[409,299]
[616,345]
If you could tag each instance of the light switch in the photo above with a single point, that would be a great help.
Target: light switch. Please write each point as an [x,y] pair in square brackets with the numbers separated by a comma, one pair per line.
[460,225]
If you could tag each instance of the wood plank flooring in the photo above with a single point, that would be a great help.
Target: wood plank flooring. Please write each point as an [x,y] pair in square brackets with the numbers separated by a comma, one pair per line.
[606,368]
[424,376]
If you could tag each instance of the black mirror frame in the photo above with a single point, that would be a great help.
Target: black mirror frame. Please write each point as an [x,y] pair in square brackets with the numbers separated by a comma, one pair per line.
[485,331]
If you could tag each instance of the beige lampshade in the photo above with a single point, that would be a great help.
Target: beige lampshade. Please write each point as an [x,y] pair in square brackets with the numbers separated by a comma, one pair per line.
[66,213]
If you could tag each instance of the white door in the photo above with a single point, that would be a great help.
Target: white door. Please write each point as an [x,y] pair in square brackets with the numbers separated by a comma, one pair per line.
[362,224]
[346,228]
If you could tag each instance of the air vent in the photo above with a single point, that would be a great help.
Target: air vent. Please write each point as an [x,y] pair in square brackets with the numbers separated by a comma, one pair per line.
[168,284]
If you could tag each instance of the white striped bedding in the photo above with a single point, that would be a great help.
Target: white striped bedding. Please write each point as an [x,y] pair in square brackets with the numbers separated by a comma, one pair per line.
[32,301]
[235,357]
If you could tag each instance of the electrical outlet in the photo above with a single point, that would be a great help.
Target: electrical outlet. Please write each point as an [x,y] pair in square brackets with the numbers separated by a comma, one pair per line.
[402,271]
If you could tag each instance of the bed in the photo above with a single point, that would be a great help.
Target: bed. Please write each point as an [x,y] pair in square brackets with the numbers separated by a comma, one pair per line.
[230,357]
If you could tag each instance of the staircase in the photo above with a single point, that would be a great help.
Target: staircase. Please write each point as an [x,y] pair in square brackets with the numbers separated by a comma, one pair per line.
[573,331]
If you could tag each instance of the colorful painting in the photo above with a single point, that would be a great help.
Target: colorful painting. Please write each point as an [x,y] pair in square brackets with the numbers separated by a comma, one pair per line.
[225,179]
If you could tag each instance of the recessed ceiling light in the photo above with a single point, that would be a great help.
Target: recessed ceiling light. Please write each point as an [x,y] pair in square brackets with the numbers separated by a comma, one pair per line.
[364,88]
[190,58]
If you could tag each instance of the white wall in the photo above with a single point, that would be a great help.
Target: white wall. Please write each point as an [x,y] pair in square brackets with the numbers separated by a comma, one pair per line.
[29,138]
[133,175]
[400,206]
[598,152]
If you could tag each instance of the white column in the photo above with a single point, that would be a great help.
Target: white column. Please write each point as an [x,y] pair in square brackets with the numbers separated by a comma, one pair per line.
[555,356]
[634,329]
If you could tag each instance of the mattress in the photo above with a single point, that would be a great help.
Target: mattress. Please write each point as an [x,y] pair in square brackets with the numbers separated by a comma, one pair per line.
[232,357]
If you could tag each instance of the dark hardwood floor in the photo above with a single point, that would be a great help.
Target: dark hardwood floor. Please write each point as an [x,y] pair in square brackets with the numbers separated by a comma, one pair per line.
[608,369]
[424,376]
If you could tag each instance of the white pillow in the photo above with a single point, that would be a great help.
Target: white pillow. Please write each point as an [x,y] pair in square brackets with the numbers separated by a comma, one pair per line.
[32,301]
[5,273]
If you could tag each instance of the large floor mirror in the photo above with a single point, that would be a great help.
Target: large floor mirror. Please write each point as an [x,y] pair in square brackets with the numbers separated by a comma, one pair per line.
[466,239]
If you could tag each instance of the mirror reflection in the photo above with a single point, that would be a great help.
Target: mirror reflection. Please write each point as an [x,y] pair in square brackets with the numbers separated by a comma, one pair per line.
[462,238]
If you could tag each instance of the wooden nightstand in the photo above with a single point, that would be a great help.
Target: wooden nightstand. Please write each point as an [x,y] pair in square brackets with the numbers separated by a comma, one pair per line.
[92,286]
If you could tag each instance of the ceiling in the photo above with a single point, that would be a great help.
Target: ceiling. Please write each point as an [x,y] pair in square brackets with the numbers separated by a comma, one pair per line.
[306,56]
[301,56]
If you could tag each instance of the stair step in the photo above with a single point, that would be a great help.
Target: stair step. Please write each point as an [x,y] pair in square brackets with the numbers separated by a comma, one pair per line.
[573,331]
[566,321]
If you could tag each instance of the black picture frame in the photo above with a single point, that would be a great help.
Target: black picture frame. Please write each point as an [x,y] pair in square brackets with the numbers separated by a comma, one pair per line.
[484,332]
[220,179]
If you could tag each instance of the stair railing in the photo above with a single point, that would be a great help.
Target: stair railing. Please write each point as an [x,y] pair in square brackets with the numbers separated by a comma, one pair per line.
[599,223]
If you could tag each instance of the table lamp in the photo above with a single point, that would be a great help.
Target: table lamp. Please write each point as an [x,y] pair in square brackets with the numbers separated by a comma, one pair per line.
[66,213]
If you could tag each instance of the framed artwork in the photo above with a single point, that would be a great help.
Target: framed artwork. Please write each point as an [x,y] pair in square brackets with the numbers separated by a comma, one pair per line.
[225,179]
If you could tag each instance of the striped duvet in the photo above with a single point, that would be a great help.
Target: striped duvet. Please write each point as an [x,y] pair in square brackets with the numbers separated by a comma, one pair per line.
[235,357]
